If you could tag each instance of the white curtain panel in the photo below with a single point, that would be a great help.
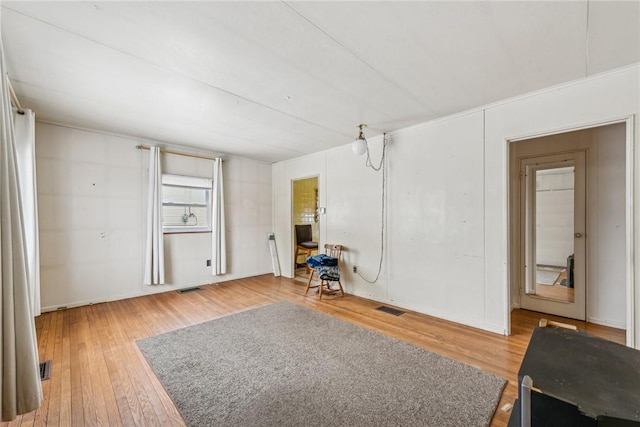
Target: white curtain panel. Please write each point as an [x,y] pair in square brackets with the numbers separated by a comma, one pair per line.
[25,128]
[154,254]
[218,234]
[20,388]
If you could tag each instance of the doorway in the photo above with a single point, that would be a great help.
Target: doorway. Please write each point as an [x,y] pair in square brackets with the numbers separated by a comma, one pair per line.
[305,213]
[568,224]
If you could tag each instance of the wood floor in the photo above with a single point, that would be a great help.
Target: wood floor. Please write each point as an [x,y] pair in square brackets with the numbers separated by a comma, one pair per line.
[556,290]
[100,378]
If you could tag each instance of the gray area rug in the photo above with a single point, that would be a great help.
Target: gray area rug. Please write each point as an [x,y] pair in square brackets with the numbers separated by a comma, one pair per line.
[286,365]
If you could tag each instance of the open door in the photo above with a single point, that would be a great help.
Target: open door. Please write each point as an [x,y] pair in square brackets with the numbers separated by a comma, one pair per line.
[553,224]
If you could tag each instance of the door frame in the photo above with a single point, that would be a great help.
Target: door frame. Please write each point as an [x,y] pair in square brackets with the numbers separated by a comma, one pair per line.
[292,219]
[628,120]
[527,242]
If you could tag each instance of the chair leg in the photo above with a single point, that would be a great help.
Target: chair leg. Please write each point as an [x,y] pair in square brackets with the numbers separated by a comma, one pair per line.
[309,282]
[333,291]
[308,254]
[295,258]
[320,289]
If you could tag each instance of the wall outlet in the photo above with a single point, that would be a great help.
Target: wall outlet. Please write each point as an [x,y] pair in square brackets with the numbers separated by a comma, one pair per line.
[208,263]
[355,269]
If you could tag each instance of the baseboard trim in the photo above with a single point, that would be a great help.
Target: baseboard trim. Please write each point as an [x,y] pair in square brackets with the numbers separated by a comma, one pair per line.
[496,329]
[610,323]
[149,290]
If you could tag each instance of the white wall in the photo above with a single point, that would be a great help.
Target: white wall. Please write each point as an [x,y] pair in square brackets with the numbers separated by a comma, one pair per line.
[436,237]
[92,201]
[591,101]
[447,249]
[434,257]
[606,294]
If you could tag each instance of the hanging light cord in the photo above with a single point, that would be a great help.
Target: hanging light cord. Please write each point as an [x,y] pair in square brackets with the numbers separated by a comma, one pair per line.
[381,166]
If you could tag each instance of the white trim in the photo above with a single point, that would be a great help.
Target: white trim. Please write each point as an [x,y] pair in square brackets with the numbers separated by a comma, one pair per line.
[630,247]
[192,182]
[186,149]
[591,125]
[506,255]
[431,122]
[515,98]
[611,324]
[186,181]
[152,290]
[489,327]
[195,149]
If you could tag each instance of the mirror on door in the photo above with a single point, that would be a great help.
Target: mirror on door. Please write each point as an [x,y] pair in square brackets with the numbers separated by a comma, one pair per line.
[550,207]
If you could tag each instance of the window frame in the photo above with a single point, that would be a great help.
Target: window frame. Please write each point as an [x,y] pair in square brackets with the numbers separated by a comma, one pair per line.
[192,182]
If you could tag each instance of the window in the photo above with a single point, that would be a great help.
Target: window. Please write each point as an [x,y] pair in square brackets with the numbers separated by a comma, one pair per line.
[186,204]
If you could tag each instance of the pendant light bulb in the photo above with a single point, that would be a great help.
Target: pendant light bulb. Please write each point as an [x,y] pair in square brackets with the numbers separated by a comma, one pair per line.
[359,146]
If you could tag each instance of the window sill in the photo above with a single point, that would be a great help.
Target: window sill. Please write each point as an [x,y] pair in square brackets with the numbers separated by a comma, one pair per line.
[186,232]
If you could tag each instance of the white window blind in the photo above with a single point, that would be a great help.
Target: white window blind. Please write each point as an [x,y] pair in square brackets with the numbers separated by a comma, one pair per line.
[186,203]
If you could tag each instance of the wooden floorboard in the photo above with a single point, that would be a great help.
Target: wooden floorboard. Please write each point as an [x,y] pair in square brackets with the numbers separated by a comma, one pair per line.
[99,377]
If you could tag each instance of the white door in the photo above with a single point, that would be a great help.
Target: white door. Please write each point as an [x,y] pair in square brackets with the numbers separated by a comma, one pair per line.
[553,224]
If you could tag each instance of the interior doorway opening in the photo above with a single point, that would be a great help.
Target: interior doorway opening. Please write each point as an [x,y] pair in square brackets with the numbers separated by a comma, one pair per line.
[305,224]
[567,214]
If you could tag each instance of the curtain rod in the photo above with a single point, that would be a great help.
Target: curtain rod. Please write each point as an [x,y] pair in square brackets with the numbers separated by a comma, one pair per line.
[177,153]
[14,97]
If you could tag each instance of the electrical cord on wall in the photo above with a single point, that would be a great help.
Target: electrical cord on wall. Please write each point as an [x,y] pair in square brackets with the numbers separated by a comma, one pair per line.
[381,166]
[186,217]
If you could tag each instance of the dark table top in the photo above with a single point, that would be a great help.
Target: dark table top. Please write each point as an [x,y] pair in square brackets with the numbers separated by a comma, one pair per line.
[600,377]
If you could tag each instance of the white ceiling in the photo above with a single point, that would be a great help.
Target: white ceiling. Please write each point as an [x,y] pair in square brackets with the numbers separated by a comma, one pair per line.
[276,80]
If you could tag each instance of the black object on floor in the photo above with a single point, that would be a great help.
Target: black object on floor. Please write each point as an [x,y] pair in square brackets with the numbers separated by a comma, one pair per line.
[185,290]
[581,381]
[45,370]
[570,271]
[390,310]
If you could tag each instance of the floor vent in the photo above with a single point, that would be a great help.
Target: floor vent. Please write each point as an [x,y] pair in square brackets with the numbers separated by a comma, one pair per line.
[390,310]
[185,290]
[45,370]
